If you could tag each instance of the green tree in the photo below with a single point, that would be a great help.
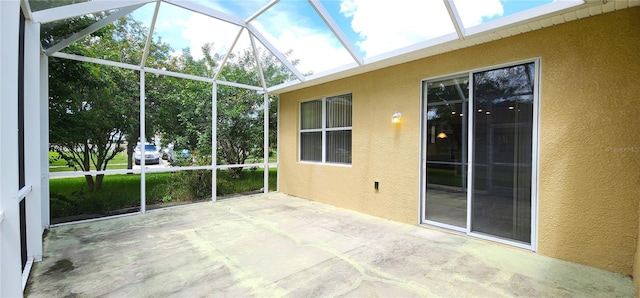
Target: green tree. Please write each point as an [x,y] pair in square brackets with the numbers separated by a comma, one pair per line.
[37,5]
[182,107]
[241,112]
[86,115]
[93,108]
[186,105]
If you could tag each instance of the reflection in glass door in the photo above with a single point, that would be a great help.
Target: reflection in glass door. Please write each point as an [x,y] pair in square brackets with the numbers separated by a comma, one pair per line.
[500,160]
[502,147]
[446,146]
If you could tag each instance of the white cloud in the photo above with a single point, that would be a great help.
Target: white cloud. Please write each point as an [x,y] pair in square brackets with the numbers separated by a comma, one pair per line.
[472,11]
[181,29]
[384,26]
[200,29]
[317,50]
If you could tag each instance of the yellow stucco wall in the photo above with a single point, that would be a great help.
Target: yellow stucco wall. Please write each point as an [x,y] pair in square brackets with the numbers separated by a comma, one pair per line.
[589,143]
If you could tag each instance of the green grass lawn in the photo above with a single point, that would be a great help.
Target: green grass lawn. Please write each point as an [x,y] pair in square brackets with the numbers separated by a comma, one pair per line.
[119,162]
[260,159]
[70,197]
[57,164]
[450,177]
[444,177]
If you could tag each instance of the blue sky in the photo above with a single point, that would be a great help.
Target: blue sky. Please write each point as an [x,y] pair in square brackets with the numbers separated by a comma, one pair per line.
[373,26]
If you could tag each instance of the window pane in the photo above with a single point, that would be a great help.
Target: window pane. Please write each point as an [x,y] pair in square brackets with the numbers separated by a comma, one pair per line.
[311,146]
[447,91]
[339,111]
[446,194]
[446,145]
[503,152]
[311,114]
[446,133]
[339,146]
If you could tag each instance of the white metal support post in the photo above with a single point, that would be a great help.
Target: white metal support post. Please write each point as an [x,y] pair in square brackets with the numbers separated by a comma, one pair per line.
[143,141]
[44,140]
[278,145]
[10,265]
[214,141]
[266,142]
[33,148]
[265,131]
[470,160]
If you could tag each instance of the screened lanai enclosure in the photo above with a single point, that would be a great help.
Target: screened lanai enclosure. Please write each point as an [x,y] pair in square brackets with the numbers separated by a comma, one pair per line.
[117,107]
[161,125]
[186,84]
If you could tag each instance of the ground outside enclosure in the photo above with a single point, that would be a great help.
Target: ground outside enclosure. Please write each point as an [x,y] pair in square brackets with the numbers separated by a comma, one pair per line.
[276,245]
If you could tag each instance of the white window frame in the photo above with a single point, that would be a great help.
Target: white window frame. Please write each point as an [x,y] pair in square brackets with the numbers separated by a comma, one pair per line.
[323,129]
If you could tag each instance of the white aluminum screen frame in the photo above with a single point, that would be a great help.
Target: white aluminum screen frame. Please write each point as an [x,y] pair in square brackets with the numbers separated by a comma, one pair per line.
[460,38]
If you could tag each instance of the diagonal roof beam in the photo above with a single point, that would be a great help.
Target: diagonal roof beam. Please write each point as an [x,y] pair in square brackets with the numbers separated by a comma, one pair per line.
[275,52]
[201,9]
[26,9]
[145,52]
[95,60]
[153,70]
[261,11]
[84,8]
[229,53]
[326,17]
[238,85]
[257,57]
[455,18]
[93,28]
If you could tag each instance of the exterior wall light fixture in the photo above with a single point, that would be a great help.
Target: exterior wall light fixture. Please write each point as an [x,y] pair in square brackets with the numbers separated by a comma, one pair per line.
[396,118]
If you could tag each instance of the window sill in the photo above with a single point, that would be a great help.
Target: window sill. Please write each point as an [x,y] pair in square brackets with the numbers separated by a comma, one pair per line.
[342,165]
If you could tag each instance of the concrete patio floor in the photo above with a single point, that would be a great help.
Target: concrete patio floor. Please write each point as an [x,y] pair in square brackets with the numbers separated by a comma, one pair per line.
[277,245]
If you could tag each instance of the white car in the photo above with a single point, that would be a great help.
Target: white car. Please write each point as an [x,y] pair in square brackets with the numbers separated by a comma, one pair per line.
[151,154]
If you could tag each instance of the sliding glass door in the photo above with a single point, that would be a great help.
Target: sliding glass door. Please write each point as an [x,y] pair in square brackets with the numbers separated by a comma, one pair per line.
[502,152]
[446,136]
[479,151]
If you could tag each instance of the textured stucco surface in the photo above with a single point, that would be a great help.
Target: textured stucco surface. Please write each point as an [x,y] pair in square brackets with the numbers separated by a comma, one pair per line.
[589,137]
[636,263]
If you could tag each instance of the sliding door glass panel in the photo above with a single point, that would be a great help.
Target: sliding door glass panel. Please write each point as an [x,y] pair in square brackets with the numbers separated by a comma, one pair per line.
[446,147]
[502,146]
